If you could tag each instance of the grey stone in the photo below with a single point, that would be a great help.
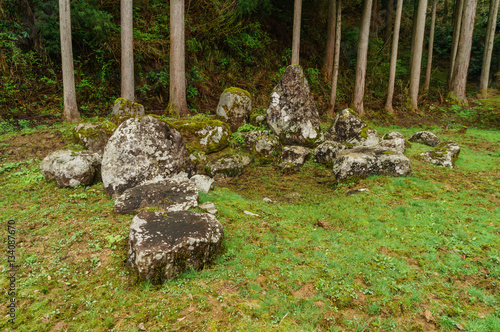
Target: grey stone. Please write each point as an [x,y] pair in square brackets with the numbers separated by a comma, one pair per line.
[141,150]
[293,158]
[176,193]
[327,152]
[71,168]
[209,207]
[162,246]
[292,113]
[349,128]
[263,146]
[362,162]
[206,136]
[230,165]
[394,141]
[94,136]
[124,109]
[234,107]
[203,183]
[444,154]
[425,137]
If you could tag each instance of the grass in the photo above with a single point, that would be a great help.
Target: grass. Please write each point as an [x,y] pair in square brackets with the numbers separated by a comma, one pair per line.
[418,253]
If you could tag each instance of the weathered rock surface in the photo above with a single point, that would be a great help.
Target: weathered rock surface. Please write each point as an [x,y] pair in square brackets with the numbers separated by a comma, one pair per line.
[94,136]
[263,146]
[234,107]
[230,165]
[141,150]
[207,136]
[444,154]
[293,158]
[394,141]
[202,182]
[70,168]
[162,246]
[425,137]
[292,114]
[327,152]
[362,162]
[124,109]
[176,193]
[257,120]
[349,128]
[209,207]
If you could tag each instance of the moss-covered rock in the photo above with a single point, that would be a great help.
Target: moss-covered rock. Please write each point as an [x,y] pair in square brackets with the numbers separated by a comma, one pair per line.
[394,141]
[425,137]
[94,136]
[264,147]
[327,152]
[230,164]
[444,154]
[293,158]
[349,128]
[124,109]
[235,105]
[208,136]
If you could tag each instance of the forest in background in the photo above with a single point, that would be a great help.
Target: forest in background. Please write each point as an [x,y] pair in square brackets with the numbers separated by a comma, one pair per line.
[245,43]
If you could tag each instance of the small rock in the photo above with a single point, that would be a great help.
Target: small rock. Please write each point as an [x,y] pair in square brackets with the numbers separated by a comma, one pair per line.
[94,136]
[263,146]
[268,200]
[234,107]
[230,165]
[356,191]
[293,158]
[141,327]
[394,141]
[248,213]
[349,128]
[444,154]
[209,207]
[327,152]
[124,109]
[425,137]
[203,183]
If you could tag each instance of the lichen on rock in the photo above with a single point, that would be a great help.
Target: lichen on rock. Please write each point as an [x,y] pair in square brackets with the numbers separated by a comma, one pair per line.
[234,107]
[444,154]
[124,109]
[208,136]
[94,136]
[349,128]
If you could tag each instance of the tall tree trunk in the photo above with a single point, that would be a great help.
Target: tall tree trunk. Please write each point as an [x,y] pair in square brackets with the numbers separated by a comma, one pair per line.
[330,41]
[459,77]
[70,108]
[416,63]
[127,41]
[388,23]
[457,26]
[488,46]
[431,47]
[178,104]
[394,57]
[297,13]
[374,17]
[364,35]
[338,33]
[413,28]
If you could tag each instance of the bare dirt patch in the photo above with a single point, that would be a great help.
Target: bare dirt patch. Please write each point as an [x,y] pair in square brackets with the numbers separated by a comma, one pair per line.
[35,145]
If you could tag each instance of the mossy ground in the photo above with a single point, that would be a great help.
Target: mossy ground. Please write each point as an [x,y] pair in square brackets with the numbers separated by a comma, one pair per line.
[416,253]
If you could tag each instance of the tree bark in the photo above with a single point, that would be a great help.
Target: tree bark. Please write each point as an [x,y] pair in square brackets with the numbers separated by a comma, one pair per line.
[70,112]
[388,23]
[364,35]
[297,13]
[178,104]
[458,13]
[488,46]
[127,41]
[338,33]
[459,77]
[416,63]
[330,41]
[394,57]
[431,47]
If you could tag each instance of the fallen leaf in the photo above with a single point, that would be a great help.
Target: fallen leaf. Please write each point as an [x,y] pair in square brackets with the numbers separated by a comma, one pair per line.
[181,319]
[428,315]
[141,327]
[460,327]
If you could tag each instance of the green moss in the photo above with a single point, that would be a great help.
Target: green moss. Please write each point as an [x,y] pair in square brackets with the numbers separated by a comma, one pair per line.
[104,128]
[364,132]
[189,131]
[388,152]
[238,91]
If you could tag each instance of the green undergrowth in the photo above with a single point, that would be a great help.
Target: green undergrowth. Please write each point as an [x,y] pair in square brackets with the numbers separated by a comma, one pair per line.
[413,253]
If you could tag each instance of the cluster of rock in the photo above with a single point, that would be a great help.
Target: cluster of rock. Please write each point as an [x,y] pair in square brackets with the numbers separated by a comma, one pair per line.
[150,166]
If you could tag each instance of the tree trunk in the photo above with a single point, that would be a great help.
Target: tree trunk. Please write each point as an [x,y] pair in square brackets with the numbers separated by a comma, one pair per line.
[70,108]
[413,29]
[388,23]
[297,13]
[416,63]
[127,41]
[458,13]
[488,46]
[431,47]
[330,41]
[374,17]
[364,35]
[394,57]
[178,104]
[338,33]
[459,77]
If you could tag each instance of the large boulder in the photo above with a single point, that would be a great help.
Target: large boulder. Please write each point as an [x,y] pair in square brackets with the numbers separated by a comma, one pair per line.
[425,137]
[262,145]
[234,107]
[94,136]
[349,128]
[163,246]
[292,114]
[361,162]
[207,136]
[293,158]
[230,165]
[124,109]
[176,193]
[444,154]
[327,152]
[141,150]
[70,168]
[394,141]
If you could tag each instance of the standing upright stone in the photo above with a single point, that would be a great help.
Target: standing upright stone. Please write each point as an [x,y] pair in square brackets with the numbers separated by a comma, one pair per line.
[234,107]
[292,114]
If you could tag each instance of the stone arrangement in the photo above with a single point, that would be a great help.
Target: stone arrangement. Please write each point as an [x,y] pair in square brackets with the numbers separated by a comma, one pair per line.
[153,168]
